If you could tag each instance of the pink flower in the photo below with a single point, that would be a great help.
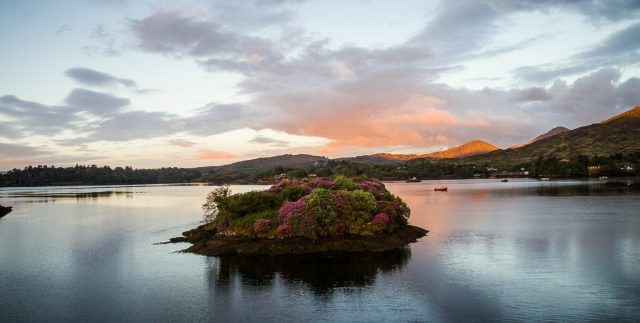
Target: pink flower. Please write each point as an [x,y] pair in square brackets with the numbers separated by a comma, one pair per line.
[381,218]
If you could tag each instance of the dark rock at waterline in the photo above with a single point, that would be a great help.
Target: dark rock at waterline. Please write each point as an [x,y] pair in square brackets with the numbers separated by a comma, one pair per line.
[206,242]
[4,210]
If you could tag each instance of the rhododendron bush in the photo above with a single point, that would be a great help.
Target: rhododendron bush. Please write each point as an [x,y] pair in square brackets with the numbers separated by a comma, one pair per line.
[311,209]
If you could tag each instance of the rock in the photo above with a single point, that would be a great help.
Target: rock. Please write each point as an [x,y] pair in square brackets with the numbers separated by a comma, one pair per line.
[205,243]
[4,210]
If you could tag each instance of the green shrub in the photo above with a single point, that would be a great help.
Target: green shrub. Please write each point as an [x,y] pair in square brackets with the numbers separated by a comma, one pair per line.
[221,208]
[359,207]
[293,193]
[320,203]
[344,183]
[213,203]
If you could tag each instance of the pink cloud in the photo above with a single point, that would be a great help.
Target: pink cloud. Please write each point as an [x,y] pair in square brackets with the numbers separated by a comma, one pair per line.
[210,154]
[181,143]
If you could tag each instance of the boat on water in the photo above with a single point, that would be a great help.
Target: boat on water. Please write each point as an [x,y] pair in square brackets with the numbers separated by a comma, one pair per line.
[504,180]
[441,189]
[544,179]
[603,178]
[4,210]
[413,180]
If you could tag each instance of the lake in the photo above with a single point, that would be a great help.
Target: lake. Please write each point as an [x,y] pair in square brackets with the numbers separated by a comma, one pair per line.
[519,251]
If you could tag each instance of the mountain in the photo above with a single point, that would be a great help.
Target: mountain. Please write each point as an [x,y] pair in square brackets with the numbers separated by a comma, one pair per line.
[550,133]
[629,118]
[379,159]
[266,163]
[619,134]
[471,148]
[468,149]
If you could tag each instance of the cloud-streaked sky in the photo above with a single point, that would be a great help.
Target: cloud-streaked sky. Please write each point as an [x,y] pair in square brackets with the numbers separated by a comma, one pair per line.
[196,83]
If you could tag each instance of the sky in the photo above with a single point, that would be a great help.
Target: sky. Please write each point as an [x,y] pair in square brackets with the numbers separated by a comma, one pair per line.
[197,83]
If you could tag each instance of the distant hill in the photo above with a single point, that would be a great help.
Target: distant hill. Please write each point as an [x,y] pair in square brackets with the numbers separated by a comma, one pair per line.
[266,163]
[468,149]
[619,134]
[471,148]
[378,159]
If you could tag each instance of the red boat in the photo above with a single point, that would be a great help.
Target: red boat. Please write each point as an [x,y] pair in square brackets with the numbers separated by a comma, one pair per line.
[440,189]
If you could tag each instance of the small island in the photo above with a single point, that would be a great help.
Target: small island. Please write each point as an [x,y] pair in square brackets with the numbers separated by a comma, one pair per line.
[320,215]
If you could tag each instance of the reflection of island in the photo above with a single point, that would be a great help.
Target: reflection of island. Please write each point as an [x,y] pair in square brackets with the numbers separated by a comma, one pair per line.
[321,273]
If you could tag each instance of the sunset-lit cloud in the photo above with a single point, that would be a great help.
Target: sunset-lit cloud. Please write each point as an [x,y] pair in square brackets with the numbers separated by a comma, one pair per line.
[211,154]
[266,77]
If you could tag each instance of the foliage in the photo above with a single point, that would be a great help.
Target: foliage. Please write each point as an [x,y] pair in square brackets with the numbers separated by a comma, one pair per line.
[320,203]
[221,208]
[213,203]
[94,175]
[294,193]
[358,210]
[246,225]
[344,183]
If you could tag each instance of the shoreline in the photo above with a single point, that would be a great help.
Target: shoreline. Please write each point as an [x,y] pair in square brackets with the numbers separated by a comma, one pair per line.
[208,243]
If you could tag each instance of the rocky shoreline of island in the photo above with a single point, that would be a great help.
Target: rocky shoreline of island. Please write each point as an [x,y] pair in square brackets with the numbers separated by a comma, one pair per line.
[210,243]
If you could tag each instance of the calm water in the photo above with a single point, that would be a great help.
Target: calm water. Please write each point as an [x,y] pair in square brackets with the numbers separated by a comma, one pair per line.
[523,250]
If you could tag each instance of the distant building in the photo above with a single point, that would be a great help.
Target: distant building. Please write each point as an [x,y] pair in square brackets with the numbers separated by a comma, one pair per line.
[564,160]
[593,169]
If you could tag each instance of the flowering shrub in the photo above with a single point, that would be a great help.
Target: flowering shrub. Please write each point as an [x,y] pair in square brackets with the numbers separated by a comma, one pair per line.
[296,220]
[320,183]
[309,209]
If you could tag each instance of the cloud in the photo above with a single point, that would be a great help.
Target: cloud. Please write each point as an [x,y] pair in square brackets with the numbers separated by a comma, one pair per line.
[19,151]
[184,33]
[622,42]
[181,143]
[270,141]
[459,27]
[589,99]
[353,96]
[628,93]
[211,154]
[531,94]
[619,49]
[105,42]
[28,117]
[612,10]
[96,103]
[91,77]
[132,125]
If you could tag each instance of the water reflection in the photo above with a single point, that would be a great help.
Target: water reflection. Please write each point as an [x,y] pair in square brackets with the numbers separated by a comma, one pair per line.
[76,195]
[320,273]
